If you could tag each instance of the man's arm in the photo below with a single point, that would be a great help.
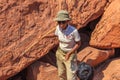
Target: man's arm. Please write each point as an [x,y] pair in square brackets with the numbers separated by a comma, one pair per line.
[77,45]
[49,35]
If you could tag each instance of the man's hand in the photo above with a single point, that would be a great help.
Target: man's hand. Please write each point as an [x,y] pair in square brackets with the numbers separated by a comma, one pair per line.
[67,56]
[48,36]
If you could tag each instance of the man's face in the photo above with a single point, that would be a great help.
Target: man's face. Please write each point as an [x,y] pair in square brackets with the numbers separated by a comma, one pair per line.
[63,24]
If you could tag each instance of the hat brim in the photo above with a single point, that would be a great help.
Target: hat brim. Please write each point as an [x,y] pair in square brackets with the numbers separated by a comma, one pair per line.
[62,19]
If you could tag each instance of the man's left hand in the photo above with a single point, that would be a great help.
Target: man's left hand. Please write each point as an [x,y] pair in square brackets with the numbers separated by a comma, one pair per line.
[67,56]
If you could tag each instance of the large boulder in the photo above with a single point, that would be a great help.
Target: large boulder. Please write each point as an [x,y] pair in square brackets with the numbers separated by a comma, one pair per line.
[107,31]
[94,56]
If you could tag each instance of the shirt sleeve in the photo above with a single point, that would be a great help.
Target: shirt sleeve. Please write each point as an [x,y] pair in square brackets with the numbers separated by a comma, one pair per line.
[76,35]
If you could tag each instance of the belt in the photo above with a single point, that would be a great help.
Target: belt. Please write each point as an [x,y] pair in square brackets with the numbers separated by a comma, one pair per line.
[65,51]
[62,50]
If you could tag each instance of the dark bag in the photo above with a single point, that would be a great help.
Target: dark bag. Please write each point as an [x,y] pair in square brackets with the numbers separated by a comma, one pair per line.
[85,71]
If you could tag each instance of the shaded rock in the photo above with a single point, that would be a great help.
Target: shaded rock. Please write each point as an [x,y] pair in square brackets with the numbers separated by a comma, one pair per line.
[84,40]
[42,71]
[106,33]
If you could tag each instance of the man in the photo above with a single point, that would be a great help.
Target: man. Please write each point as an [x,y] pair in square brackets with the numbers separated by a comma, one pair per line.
[69,42]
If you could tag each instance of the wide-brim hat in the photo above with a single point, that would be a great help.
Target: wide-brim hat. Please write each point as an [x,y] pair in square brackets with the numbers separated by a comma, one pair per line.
[62,15]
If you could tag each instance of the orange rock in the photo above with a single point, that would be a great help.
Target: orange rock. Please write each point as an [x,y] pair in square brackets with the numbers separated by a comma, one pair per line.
[42,71]
[94,56]
[107,32]
[110,70]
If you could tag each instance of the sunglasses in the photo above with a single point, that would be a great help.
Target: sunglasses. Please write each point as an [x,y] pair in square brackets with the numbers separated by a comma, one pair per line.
[61,22]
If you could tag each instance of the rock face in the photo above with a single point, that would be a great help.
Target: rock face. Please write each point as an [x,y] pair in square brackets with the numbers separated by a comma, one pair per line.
[22,26]
[23,23]
[107,31]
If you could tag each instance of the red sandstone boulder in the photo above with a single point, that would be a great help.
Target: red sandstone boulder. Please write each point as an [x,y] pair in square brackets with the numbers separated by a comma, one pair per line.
[94,56]
[107,31]
[42,71]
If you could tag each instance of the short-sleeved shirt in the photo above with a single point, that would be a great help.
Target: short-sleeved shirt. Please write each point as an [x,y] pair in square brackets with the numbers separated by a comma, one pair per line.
[67,37]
